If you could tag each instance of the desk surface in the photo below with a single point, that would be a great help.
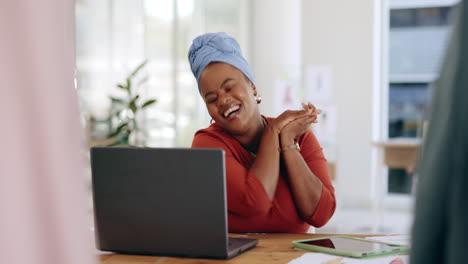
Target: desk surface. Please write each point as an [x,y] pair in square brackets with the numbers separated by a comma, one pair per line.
[271,249]
[400,153]
[399,143]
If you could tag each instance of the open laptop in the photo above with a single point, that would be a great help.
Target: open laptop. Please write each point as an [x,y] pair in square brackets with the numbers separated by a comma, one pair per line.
[162,201]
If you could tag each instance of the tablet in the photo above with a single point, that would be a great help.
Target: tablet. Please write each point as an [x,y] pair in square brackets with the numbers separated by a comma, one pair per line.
[350,246]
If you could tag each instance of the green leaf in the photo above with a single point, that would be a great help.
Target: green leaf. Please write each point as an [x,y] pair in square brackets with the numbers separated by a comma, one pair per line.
[121,86]
[117,130]
[138,68]
[135,98]
[148,103]
[124,139]
[117,100]
[132,106]
[129,85]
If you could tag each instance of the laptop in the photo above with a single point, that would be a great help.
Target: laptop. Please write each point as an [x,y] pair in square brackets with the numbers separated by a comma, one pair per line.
[162,201]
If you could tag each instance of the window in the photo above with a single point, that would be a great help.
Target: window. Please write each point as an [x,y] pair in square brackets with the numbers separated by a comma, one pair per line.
[114,36]
[418,38]
[420,17]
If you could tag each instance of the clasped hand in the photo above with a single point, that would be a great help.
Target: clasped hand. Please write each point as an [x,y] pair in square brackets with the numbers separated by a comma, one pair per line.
[292,124]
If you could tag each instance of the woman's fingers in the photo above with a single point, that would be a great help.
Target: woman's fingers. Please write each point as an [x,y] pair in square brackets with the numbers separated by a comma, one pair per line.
[311,106]
[286,117]
[311,119]
[311,109]
[296,123]
[290,115]
[298,127]
[309,112]
[308,119]
[307,115]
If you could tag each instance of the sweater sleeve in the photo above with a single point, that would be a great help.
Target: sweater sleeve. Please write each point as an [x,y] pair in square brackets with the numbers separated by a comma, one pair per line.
[312,153]
[246,195]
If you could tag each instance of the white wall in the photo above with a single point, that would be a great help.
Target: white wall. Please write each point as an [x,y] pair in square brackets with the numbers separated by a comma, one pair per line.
[340,34]
[276,46]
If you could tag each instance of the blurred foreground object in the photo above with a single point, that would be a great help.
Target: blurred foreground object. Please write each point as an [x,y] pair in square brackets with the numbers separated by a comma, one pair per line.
[440,230]
[42,192]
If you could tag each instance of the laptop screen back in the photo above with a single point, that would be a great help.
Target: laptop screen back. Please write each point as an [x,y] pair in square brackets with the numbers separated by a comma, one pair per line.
[160,201]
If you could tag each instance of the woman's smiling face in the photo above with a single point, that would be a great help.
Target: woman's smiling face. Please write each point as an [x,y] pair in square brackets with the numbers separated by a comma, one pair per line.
[229,97]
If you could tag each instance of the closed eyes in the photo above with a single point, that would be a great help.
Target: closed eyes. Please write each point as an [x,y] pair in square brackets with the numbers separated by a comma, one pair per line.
[211,99]
[228,85]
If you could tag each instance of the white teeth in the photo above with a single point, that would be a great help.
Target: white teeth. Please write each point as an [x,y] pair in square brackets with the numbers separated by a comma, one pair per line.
[230,110]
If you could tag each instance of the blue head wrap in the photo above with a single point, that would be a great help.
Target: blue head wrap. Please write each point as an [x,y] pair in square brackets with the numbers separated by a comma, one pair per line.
[216,47]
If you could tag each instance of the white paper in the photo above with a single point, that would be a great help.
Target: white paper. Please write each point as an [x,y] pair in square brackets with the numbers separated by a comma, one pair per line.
[286,96]
[325,129]
[320,258]
[318,83]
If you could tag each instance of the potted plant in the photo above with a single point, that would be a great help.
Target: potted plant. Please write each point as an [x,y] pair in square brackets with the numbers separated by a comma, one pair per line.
[124,112]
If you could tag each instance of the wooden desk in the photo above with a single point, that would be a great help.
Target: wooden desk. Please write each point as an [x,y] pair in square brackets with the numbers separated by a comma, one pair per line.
[400,153]
[271,249]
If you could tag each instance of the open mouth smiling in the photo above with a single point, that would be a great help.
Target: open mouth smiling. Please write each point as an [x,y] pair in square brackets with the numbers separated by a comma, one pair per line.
[232,110]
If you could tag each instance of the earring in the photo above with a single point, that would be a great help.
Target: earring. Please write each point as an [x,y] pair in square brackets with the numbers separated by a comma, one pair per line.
[258,99]
[211,121]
